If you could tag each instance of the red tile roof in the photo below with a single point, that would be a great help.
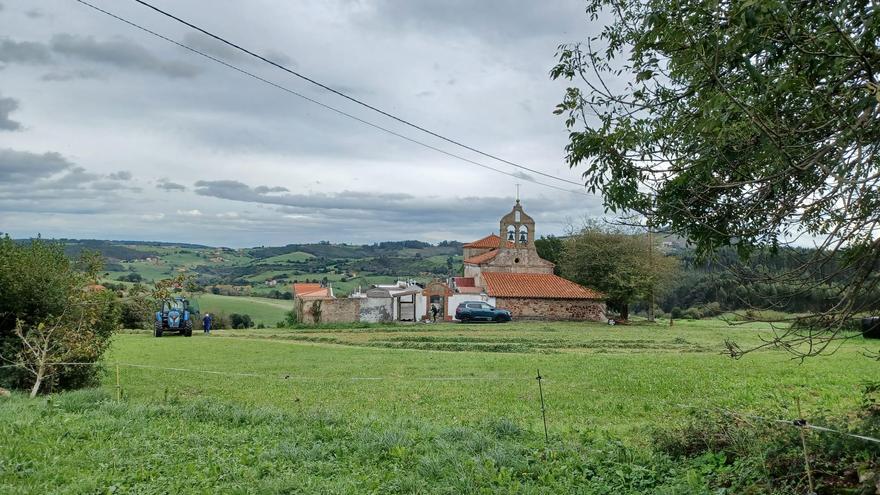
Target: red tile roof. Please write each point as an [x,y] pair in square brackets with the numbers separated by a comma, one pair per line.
[464,281]
[536,286]
[482,258]
[310,290]
[491,241]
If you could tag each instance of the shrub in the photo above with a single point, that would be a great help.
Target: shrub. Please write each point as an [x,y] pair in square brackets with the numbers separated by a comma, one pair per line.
[134,315]
[240,321]
[52,312]
[692,314]
[764,457]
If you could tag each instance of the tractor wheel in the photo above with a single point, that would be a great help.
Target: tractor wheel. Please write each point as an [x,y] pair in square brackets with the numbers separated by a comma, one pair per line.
[188,329]
[158,330]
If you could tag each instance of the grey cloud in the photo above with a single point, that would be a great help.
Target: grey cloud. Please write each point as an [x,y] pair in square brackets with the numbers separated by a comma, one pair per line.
[35,13]
[49,182]
[26,52]
[225,52]
[121,175]
[121,53]
[281,58]
[7,106]
[214,48]
[492,19]
[266,189]
[20,167]
[379,206]
[71,75]
[519,174]
[167,185]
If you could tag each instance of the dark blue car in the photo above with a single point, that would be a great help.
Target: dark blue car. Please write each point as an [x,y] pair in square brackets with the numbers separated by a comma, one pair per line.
[480,311]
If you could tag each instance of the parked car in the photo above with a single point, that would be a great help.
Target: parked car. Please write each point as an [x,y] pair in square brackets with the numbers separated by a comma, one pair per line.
[480,311]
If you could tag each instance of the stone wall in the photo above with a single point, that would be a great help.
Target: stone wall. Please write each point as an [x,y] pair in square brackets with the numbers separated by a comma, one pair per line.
[337,310]
[522,260]
[470,252]
[553,309]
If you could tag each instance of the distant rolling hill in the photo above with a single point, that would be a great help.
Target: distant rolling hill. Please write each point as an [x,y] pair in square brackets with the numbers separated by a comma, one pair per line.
[269,271]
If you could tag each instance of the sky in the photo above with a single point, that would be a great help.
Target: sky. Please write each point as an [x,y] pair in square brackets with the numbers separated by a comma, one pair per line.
[108,132]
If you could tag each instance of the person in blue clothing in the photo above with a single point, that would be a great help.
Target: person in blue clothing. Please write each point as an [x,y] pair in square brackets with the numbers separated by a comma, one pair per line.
[206,323]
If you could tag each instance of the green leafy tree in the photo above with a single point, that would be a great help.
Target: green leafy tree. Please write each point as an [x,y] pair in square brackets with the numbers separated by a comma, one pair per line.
[750,123]
[240,321]
[617,263]
[550,248]
[51,314]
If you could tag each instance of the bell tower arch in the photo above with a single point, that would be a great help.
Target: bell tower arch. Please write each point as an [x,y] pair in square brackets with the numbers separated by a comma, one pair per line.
[518,228]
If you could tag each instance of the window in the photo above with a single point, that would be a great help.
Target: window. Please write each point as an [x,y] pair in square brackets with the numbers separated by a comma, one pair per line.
[474,306]
[485,306]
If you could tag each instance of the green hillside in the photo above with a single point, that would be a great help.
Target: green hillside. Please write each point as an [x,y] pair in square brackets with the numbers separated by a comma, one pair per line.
[270,271]
[261,309]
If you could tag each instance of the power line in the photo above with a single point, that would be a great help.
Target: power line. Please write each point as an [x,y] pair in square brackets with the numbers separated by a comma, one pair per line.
[347,97]
[324,105]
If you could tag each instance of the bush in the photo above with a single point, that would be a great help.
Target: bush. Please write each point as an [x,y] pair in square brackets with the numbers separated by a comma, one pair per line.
[48,304]
[240,321]
[692,314]
[134,315]
[764,457]
[291,320]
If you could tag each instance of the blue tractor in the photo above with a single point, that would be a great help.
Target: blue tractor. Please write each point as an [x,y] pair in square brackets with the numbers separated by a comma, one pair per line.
[175,316]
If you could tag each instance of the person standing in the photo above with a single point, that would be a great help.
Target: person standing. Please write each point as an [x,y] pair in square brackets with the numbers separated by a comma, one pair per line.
[206,323]
[434,311]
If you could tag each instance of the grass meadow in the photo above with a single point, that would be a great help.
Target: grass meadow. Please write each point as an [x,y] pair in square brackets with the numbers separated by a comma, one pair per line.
[262,310]
[427,408]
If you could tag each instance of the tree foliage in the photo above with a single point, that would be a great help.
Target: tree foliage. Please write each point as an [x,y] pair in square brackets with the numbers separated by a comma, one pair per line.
[622,265]
[751,123]
[550,248]
[51,313]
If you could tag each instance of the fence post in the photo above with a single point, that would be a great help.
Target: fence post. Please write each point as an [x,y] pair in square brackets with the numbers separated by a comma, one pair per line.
[543,409]
[802,423]
[118,387]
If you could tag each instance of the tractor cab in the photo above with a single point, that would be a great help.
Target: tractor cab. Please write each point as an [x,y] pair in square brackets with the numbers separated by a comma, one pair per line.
[175,316]
[177,304]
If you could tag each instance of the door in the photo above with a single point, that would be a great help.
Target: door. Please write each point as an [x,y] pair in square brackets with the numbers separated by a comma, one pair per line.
[486,311]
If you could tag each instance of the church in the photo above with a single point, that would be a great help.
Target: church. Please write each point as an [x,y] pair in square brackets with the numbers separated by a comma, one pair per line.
[505,270]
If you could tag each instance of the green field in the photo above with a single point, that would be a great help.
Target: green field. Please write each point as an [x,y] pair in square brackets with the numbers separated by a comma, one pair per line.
[261,309]
[284,258]
[429,408]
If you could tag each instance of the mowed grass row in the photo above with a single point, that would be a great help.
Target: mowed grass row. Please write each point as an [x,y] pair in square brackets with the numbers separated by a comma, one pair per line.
[636,377]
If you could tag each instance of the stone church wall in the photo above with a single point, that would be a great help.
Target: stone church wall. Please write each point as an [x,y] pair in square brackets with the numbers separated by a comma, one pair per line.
[553,309]
[518,261]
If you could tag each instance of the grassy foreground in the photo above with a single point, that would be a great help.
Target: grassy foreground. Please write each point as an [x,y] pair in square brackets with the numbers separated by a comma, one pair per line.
[390,410]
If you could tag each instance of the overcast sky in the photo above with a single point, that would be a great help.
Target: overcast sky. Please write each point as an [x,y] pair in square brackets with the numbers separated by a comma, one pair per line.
[109,132]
